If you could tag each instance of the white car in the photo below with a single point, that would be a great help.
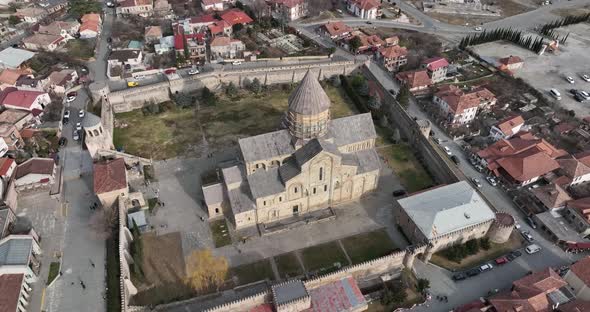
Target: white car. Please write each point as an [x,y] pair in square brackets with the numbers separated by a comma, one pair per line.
[448,151]
[70,98]
[476,182]
[486,267]
[236,63]
[533,248]
[75,135]
[516,225]
[570,79]
[586,77]
[78,126]
[81,113]
[67,114]
[478,28]
[110,4]
[491,181]
[193,71]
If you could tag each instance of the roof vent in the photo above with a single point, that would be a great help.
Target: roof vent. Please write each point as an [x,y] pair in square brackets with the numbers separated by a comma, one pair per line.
[467,215]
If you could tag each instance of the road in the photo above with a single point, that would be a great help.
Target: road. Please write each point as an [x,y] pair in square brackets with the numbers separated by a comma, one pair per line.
[82,285]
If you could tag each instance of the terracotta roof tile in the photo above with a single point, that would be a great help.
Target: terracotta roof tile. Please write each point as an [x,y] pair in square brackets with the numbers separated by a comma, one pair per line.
[236,16]
[510,123]
[393,51]
[21,98]
[10,76]
[573,168]
[435,63]
[110,176]
[510,60]
[367,4]
[10,288]
[528,165]
[582,270]
[414,79]
[337,28]
[552,196]
[5,164]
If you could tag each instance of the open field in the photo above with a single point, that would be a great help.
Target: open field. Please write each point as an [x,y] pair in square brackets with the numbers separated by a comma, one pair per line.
[402,160]
[367,246]
[253,272]
[180,131]
[323,256]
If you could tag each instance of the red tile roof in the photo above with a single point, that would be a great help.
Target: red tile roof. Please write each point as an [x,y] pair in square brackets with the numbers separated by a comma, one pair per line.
[5,164]
[414,79]
[236,16]
[582,205]
[511,60]
[366,4]
[528,165]
[393,51]
[510,123]
[10,288]
[552,196]
[203,19]
[22,98]
[337,28]
[110,176]
[577,305]
[582,270]
[90,17]
[584,157]
[218,27]
[36,166]
[573,168]
[435,63]
[10,76]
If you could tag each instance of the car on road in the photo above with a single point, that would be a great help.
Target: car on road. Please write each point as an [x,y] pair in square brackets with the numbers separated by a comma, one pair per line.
[78,126]
[458,276]
[516,225]
[447,150]
[478,28]
[71,97]
[62,141]
[486,267]
[491,181]
[586,77]
[531,249]
[193,71]
[81,113]
[531,222]
[583,94]
[369,22]
[573,91]
[236,63]
[75,135]
[109,40]
[110,4]
[398,193]
[392,92]
[132,84]
[527,236]
[479,168]
[476,182]
[67,114]
[554,93]
[513,255]
[570,79]
[501,260]
[455,159]
[473,272]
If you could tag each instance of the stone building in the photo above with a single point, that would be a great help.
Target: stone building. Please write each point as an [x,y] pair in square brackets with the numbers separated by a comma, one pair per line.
[110,181]
[449,215]
[95,138]
[313,164]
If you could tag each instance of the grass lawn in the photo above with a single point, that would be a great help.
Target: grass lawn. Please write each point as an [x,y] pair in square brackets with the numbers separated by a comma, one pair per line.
[368,246]
[80,48]
[323,256]
[220,233]
[53,272]
[253,272]
[482,256]
[288,265]
[403,162]
[179,131]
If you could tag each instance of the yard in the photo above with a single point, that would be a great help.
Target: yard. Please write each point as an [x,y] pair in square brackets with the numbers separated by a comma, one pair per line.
[481,257]
[401,159]
[368,246]
[180,131]
[80,48]
[220,233]
[253,272]
[323,257]
[288,265]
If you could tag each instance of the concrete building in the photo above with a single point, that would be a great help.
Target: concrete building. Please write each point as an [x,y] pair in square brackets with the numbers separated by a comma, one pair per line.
[60,81]
[511,63]
[459,107]
[152,33]
[15,292]
[19,255]
[61,28]
[437,68]
[91,26]
[212,5]
[43,42]
[31,14]
[313,164]
[444,216]
[336,30]
[574,170]
[110,181]
[95,138]
[415,81]
[14,58]
[289,10]
[506,128]
[34,173]
[578,278]
[133,57]
[365,9]
[393,57]
[142,8]
[11,136]
[551,197]
[226,48]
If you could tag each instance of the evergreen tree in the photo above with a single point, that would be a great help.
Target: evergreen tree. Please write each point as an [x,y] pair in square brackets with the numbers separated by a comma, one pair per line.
[256,86]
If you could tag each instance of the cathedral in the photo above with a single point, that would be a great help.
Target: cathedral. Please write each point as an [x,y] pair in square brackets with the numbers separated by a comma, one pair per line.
[313,163]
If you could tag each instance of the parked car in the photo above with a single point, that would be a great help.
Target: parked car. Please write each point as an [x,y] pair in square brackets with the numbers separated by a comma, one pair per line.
[501,260]
[531,222]
[476,182]
[516,225]
[193,71]
[455,159]
[478,28]
[71,97]
[81,113]
[527,236]
[447,150]
[573,91]
[586,77]
[398,193]
[583,94]
[170,71]
[63,141]
[491,181]
[236,63]
[531,249]
[78,126]
[132,84]
[554,93]
[510,257]
[486,267]
[369,22]
[75,135]
[459,276]
[570,79]
[473,272]
[516,254]
[479,168]
[67,114]
[110,4]
[392,92]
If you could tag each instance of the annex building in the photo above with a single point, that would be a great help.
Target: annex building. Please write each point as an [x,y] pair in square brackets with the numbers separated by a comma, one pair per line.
[313,163]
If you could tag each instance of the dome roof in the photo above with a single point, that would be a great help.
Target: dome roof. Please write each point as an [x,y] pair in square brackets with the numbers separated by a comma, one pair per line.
[309,98]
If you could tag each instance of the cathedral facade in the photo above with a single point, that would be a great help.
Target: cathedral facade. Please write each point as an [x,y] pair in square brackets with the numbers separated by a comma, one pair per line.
[312,164]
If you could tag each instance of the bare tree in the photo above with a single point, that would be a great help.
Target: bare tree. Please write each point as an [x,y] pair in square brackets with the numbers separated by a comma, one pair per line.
[259,8]
[205,271]
[103,222]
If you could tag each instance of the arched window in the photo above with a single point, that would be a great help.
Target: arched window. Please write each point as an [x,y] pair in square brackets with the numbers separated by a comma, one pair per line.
[95,132]
[321,173]
[100,128]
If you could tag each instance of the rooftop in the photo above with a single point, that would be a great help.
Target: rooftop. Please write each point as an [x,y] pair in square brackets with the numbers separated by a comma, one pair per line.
[16,250]
[35,165]
[42,40]
[415,79]
[582,270]
[337,28]
[510,123]
[341,295]
[309,98]
[124,55]
[236,16]
[21,98]
[13,58]
[435,63]
[110,176]
[552,196]
[288,291]
[10,288]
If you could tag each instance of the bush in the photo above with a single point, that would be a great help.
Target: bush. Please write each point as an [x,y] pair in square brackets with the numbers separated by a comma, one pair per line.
[231,90]
[348,88]
[208,97]
[423,284]
[472,246]
[255,86]
[484,243]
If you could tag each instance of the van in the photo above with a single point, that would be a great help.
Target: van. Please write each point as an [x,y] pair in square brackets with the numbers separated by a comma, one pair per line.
[531,249]
[132,84]
[486,267]
[554,93]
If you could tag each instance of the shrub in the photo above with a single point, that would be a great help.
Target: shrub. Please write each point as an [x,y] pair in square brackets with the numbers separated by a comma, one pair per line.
[348,88]
[485,243]
[472,246]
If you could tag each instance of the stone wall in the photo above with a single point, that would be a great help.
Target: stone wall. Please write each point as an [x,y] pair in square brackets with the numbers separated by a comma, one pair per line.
[125,238]
[244,304]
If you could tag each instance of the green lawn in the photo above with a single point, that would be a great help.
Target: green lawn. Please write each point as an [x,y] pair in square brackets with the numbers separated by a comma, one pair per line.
[53,272]
[80,48]
[220,233]
[401,159]
[288,265]
[323,256]
[253,272]
[368,246]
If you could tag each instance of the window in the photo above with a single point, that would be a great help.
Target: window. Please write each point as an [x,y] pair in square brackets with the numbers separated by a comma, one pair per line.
[325,188]
[314,191]
[264,203]
[321,173]
[216,210]
[296,209]
[295,189]
[95,132]
[280,199]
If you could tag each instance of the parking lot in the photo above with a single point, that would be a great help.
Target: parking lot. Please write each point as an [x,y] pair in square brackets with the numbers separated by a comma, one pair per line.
[550,70]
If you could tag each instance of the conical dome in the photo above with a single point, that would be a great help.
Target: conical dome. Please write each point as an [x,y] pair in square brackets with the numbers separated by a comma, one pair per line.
[309,98]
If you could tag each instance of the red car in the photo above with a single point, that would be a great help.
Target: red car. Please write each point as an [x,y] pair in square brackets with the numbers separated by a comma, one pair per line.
[501,260]
[170,71]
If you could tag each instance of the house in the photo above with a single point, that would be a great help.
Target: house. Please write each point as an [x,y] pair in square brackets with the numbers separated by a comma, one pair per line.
[60,81]
[43,42]
[521,160]
[16,292]
[11,137]
[110,181]
[391,41]
[576,171]
[437,68]
[152,33]
[212,5]
[578,278]
[66,29]
[142,8]
[24,99]
[28,83]
[17,117]
[444,216]
[53,6]
[414,80]
[166,45]
[91,26]
[19,254]
[575,305]
[7,167]
[393,57]
[506,128]
[193,44]
[537,292]
[367,43]
[511,63]
[3,147]
[31,14]
[235,17]
[289,10]
[336,30]
[577,213]
[163,8]
[226,48]
[13,58]
[551,197]
[220,28]
[133,57]
[365,9]
[9,77]
[459,107]
[34,173]
[196,23]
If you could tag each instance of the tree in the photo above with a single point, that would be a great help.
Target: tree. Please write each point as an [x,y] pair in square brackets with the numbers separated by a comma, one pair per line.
[336,82]
[239,5]
[256,86]
[394,293]
[331,50]
[422,285]
[52,112]
[246,82]
[403,97]
[103,222]
[257,9]
[13,20]
[374,103]
[237,27]
[485,243]
[472,246]
[231,90]
[80,7]
[355,43]
[208,97]
[363,88]
[205,271]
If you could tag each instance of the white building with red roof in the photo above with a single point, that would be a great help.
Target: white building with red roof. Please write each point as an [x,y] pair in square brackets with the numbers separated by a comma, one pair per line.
[511,63]
[135,7]
[336,30]
[34,173]
[415,80]
[437,68]
[110,181]
[506,128]
[393,57]
[212,5]
[289,10]
[226,48]
[24,99]
[236,16]
[365,9]
[459,107]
